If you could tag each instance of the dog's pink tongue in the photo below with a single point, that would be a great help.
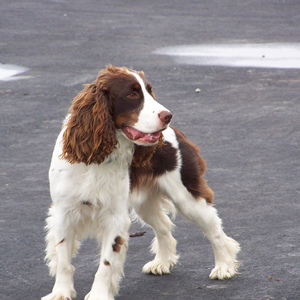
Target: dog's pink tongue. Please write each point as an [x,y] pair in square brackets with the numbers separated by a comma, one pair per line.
[134,134]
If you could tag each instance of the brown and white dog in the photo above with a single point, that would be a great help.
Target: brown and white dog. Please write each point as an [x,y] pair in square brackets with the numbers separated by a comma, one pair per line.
[112,154]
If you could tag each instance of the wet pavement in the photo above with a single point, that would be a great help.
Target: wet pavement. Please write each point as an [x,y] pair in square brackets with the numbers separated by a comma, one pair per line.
[245,118]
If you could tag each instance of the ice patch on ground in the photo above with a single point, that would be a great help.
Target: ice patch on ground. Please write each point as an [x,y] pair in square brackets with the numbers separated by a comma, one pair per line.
[270,55]
[9,72]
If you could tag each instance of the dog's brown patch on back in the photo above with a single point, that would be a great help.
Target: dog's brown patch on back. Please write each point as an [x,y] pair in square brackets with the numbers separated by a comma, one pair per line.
[193,169]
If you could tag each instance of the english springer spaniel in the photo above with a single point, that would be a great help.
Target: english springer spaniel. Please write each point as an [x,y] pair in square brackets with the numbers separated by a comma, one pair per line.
[116,150]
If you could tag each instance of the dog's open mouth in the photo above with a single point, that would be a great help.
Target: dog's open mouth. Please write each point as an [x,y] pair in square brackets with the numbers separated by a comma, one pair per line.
[134,135]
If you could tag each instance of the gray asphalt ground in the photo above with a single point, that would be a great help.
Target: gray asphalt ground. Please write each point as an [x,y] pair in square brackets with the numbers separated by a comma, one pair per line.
[245,119]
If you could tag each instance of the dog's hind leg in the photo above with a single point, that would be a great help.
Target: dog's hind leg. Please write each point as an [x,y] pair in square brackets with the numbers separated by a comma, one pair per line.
[205,216]
[152,208]
[61,246]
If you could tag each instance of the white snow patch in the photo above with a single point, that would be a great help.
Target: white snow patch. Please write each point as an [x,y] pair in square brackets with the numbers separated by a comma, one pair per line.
[9,72]
[270,55]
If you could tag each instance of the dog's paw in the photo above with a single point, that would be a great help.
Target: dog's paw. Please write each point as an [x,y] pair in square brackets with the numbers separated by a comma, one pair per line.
[60,295]
[158,267]
[224,271]
[89,296]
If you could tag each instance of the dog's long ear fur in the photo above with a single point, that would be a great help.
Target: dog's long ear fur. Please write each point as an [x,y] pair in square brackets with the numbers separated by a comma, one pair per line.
[89,136]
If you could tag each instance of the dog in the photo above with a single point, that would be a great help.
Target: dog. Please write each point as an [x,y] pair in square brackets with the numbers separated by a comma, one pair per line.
[117,149]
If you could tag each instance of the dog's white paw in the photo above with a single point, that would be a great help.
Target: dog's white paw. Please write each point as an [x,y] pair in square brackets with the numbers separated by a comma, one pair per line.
[226,260]
[60,295]
[89,296]
[158,267]
[224,271]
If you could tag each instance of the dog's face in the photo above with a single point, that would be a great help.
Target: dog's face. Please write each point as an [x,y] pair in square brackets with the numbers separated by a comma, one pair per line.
[135,111]
[119,99]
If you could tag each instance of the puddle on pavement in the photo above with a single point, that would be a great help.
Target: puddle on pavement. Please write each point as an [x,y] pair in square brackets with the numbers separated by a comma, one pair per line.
[273,55]
[10,72]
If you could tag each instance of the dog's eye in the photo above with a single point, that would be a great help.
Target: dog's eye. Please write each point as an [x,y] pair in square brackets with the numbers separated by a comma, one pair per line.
[133,95]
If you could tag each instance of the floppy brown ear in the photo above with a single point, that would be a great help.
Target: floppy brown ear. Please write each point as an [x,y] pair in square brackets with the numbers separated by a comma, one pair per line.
[89,136]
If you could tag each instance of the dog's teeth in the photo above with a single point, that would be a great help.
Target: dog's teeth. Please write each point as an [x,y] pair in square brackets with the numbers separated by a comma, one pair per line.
[149,134]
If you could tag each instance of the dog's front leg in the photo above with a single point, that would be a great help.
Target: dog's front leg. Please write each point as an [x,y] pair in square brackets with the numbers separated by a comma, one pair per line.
[114,242]
[60,248]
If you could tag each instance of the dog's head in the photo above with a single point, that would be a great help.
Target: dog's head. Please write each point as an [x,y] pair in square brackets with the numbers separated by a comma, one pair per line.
[119,99]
